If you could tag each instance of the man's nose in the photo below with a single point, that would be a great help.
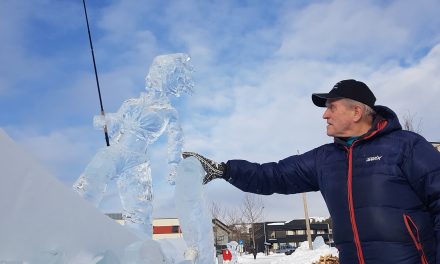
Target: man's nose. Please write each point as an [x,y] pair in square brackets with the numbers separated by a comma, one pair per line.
[326,114]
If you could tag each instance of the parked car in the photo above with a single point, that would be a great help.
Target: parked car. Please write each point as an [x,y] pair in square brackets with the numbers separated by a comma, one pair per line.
[286,250]
[290,251]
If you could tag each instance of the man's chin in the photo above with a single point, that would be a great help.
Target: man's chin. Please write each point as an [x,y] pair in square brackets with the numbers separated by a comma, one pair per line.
[329,133]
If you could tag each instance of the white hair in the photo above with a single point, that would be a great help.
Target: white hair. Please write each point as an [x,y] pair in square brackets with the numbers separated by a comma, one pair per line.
[368,111]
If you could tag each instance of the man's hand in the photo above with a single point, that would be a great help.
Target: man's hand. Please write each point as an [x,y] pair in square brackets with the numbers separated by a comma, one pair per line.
[213,169]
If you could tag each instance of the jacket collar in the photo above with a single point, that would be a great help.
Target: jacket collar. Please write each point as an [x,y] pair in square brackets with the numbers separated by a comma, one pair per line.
[384,122]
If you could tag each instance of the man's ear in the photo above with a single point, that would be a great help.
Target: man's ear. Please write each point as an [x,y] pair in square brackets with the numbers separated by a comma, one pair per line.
[358,111]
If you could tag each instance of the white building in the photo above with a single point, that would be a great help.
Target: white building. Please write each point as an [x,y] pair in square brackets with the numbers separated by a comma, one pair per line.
[170,228]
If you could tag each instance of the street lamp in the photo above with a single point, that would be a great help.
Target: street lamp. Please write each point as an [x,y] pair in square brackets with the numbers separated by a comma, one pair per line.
[264,229]
[265,242]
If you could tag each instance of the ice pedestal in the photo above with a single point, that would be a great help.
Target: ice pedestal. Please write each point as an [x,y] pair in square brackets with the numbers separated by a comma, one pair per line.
[194,216]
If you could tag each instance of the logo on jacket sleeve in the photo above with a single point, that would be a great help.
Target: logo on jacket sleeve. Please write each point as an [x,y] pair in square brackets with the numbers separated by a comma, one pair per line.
[374,158]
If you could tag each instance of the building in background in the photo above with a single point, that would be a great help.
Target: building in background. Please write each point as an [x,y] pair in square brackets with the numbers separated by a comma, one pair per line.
[170,228]
[221,234]
[166,228]
[280,236]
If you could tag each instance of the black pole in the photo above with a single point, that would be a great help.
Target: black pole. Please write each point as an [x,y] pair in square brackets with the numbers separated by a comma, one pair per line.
[96,74]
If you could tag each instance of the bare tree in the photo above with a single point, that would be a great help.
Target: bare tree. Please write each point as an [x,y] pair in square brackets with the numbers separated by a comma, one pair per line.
[217,211]
[252,210]
[409,123]
[234,219]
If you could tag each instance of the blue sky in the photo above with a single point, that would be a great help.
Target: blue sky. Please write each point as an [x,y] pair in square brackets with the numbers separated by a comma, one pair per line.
[256,62]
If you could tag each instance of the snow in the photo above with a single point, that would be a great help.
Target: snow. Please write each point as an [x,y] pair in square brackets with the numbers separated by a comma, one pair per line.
[315,219]
[302,255]
[261,259]
[276,224]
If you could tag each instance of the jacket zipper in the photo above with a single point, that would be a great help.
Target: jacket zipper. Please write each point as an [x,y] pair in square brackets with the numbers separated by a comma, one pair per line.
[381,125]
[416,239]
[357,241]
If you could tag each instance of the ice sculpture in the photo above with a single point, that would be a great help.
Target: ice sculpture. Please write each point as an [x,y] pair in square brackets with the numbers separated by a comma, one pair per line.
[138,123]
[194,215]
[233,248]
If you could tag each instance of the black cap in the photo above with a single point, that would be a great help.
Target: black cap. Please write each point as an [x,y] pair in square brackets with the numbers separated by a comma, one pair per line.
[350,89]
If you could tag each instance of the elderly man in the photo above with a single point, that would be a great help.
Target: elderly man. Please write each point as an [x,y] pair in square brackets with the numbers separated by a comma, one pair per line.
[381,184]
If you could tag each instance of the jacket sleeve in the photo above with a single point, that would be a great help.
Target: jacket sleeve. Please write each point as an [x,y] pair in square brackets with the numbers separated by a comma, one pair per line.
[294,174]
[422,167]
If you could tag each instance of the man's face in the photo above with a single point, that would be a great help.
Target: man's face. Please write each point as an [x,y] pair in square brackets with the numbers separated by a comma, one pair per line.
[339,118]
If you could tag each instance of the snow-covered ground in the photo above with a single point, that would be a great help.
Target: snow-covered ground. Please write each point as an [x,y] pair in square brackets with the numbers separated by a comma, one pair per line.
[261,259]
[302,255]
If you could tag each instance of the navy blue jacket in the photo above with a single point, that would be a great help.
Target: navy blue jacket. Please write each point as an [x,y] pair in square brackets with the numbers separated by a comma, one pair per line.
[382,192]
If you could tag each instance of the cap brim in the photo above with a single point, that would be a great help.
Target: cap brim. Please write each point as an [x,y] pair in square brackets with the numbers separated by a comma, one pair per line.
[319,99]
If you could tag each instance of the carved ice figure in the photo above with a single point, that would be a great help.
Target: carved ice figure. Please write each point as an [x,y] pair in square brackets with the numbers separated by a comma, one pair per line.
[233,248]
[138,123]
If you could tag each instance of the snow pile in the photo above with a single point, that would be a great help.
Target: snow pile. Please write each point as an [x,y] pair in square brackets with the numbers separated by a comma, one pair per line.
[44,222]
[303,255]
[317,219]
[319,242]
